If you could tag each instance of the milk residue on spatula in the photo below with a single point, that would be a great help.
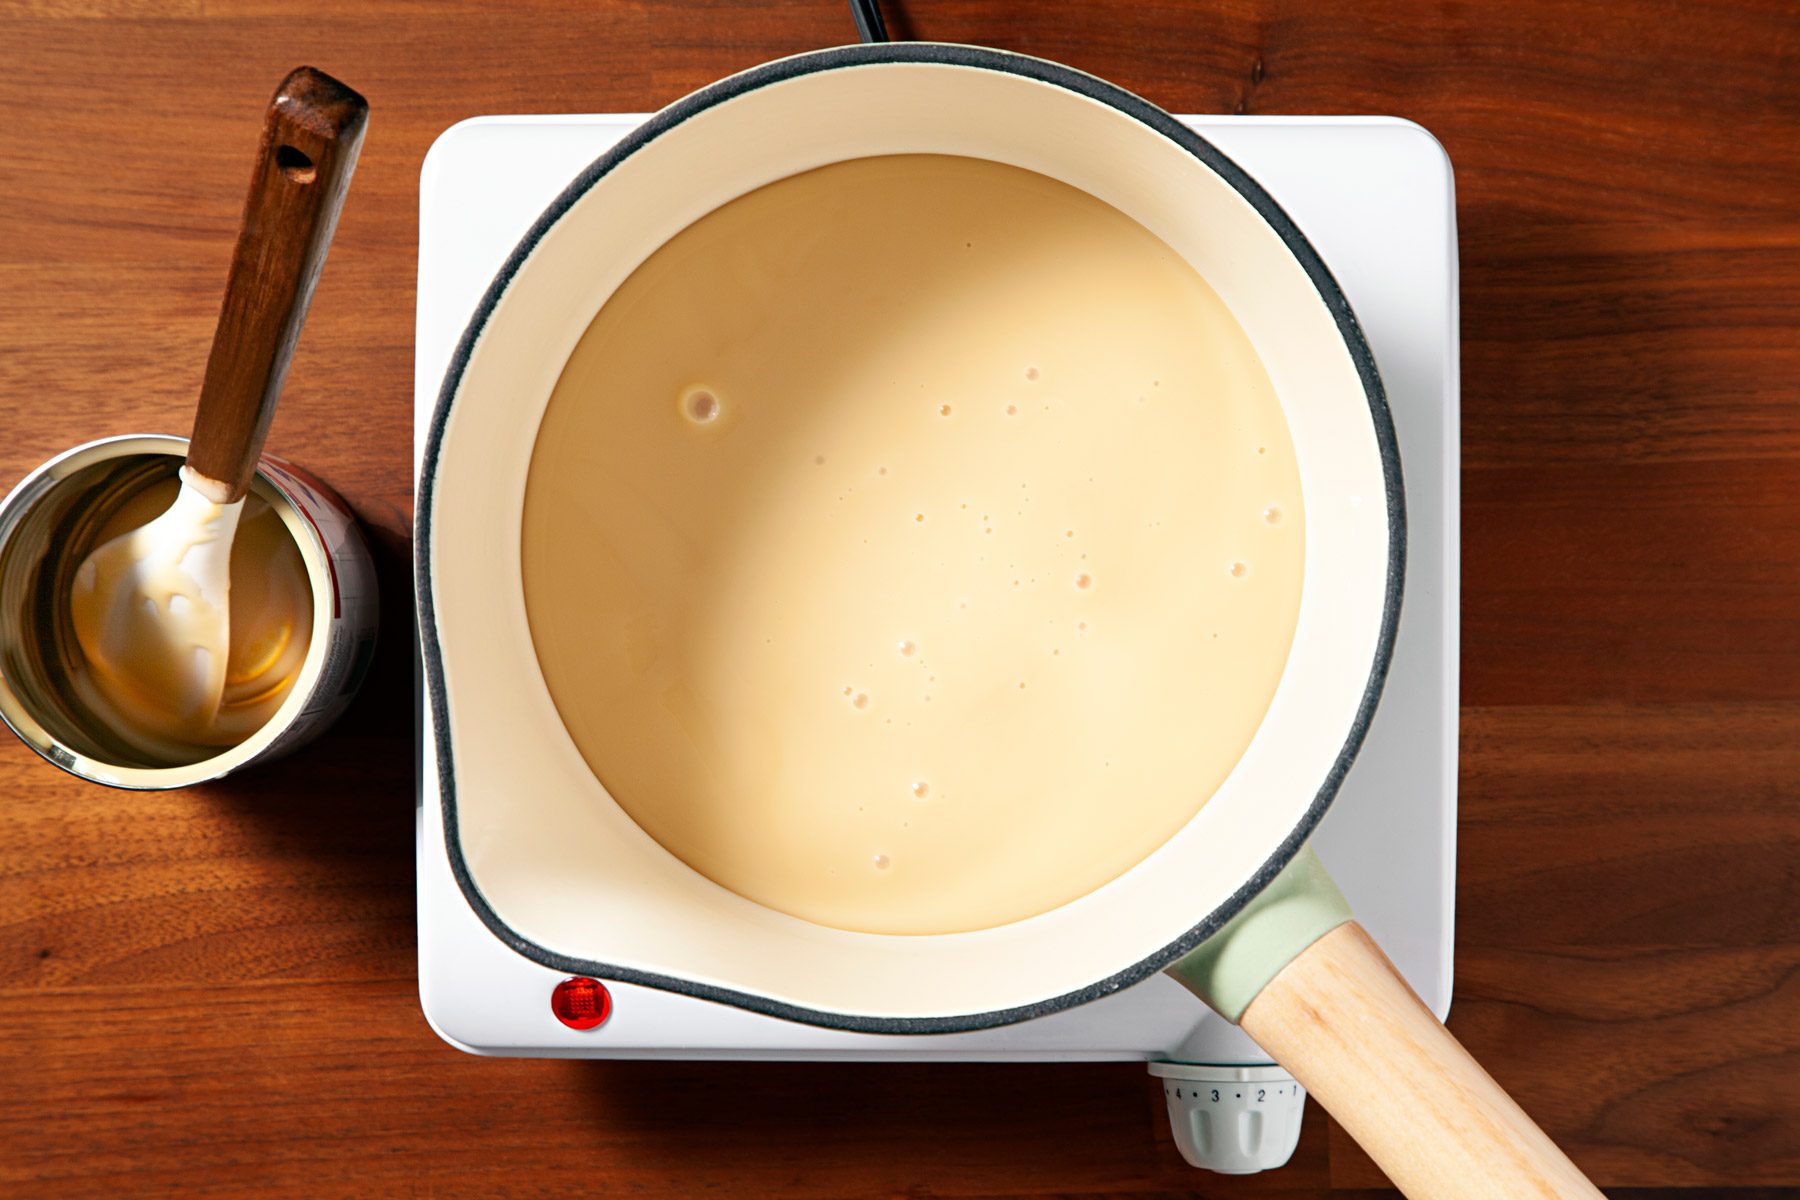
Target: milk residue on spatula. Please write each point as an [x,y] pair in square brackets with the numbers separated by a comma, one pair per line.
[192,625]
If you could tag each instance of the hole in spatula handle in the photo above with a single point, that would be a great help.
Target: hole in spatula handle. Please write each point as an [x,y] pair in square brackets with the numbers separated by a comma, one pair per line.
[296,165]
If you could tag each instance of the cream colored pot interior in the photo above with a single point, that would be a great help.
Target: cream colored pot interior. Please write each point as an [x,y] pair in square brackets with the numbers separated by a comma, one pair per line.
[563,866]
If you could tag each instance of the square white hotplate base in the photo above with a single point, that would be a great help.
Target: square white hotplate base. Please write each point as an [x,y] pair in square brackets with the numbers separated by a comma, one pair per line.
[1375,196]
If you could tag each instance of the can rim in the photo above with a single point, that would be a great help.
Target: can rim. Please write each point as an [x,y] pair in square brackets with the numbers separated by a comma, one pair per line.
[18,716]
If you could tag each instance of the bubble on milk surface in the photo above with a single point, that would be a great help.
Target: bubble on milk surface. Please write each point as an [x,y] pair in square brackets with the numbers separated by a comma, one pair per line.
[701,405]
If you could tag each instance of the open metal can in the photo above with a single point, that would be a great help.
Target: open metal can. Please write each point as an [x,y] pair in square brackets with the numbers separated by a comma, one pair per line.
[51,522]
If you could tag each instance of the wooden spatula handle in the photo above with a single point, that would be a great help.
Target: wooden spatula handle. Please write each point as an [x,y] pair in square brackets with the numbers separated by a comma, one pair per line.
[1344,1023]
[309,145]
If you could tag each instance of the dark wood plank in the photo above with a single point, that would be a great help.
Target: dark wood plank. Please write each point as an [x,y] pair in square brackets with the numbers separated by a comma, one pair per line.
[274,1086]
[1619,582]
[1631,825]
[1641,342]
[212,991]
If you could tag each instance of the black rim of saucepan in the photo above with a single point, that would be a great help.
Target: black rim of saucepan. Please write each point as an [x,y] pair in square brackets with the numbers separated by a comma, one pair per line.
[976,58]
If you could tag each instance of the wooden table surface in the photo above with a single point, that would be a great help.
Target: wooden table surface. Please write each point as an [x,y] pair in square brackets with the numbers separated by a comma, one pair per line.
[213,990]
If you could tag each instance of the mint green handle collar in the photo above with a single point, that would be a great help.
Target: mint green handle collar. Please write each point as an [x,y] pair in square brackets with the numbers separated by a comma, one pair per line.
[1300,906]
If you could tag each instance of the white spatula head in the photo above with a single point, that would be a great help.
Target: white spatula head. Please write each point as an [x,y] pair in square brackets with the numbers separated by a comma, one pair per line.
[152,613]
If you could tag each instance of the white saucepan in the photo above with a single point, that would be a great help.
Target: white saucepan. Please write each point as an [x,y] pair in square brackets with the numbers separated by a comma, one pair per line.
[1232,905]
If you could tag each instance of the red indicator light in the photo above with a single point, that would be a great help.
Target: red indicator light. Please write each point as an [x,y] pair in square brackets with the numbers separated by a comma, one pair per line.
[581,1003]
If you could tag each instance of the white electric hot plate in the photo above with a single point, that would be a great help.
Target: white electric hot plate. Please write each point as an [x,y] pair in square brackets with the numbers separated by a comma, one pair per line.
[1375,197]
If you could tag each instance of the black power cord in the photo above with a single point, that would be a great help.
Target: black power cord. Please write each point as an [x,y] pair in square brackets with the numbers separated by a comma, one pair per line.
[869,25]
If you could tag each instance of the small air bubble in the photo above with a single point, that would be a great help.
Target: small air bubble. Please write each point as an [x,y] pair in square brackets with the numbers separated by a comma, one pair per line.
[921,789]
[882,862]
[1272,515]
[848,691]
[943,410]
[907,649]
[1238,570]
[700,406]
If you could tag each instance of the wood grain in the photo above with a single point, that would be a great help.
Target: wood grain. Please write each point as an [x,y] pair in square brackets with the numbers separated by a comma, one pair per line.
[311,137]
[244,1105]
[1341,1019]
[211,992]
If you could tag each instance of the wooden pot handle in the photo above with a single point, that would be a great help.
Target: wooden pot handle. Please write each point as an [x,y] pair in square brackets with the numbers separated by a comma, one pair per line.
[310,140]
[1344,1023]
